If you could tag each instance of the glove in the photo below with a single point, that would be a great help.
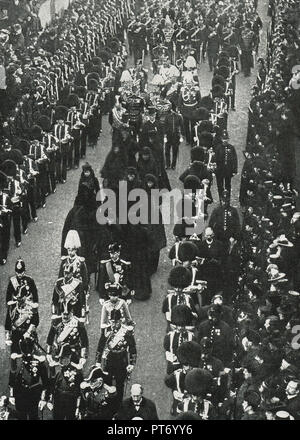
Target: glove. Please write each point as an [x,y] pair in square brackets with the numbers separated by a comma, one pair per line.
[129,368]
[101,301]
[77,414]
[50,406]
[42,404]
[82,362]
[12,401]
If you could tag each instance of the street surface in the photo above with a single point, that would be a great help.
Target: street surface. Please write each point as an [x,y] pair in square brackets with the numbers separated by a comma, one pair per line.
[41,251]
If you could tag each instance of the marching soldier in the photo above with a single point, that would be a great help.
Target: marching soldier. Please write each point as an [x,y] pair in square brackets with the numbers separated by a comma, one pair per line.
[188,355]
[31,170]
[116,271]
[182,331]
[73,260]
[75,124]
[174,130]
[51,147]
[224,220]
[68,292]
[116,352]
[22,306]
[98,396]
[65,379]
[28,380]
[5,211]
[37,152]
[180,278]
[14,192]
[188,104]
[62,136]
[227,166]
[115,303]
[198,384]
[67,329]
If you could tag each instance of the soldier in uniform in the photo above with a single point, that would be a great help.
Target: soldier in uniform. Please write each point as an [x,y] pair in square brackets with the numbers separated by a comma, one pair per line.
[65,380]
[5,210]
[31,171]
[181,331]
[67,329]
[115,303]
[28,379]
[188,104]
[198,384]
[62,136]
[74,261]
[227,166]
[135,107]
[37,152]
[98,396]
[174,130]
[188,355]
[224,220]
[14,192]
[180,278]
[75,124]
[115,271]
[22,305]
[116,352]
[51,147]
[68,291]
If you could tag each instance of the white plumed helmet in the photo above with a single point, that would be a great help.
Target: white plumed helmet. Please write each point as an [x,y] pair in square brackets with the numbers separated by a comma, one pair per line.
[72,240]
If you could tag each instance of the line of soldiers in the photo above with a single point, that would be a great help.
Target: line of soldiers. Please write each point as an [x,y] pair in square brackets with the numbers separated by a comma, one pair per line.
[233,354]
[179,28]
[52,378]
[56,93]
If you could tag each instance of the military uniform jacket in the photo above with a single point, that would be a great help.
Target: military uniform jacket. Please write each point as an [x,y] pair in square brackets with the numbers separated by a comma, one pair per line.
[202,407]
[65,382]
[175,381]
[188,102]
[226,160]
[151,130]
[172,342]
[69,293]
[98,403]
[72,332]
[225,222]
[78,267]
[117,355]
[23,288]
[173,299]
[28,374]
[222,338]
[113,272]
[173,125]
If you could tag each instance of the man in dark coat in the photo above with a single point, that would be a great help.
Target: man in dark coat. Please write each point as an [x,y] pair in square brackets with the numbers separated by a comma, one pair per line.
[227,165]
[211,253]
[137,406]
[225,220]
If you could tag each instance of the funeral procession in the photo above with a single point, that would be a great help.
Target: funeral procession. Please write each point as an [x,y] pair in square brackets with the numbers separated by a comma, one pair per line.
[149,211]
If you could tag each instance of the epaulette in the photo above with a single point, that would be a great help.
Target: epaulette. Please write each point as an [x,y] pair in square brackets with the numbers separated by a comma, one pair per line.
[126,262]
[105,261]
[64,257]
